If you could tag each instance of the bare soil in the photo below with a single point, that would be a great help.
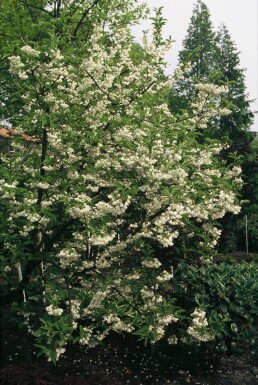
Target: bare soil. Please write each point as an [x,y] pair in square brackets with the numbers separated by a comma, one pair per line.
[121,364]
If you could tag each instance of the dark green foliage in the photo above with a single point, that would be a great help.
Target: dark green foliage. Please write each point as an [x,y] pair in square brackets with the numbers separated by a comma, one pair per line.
[229,294]
[199,45]
[215,59]
[233,128]
[199,49]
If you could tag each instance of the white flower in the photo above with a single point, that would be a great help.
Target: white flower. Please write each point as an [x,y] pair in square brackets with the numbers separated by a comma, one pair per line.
[7,269]
[166,320]
[87,264]
[224,111]
[67,257]
[164,276]
[59,352]
[43,185]
[28,50]
[151,263]
[198,327]
[172,340]
[55,311]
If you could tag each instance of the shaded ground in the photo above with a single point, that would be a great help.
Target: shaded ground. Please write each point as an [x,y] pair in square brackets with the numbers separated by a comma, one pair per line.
[232,371]
[121,364]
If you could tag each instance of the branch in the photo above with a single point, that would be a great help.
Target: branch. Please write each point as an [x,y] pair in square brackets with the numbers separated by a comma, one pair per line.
[85,13]
[76,6]
[119,292]
[43,157]
[142,93]
[96,83]
[36,7]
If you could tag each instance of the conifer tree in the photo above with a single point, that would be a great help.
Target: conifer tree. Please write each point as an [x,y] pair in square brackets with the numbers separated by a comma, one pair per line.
[200,50]
[214,58]
[200,44]
[235,126]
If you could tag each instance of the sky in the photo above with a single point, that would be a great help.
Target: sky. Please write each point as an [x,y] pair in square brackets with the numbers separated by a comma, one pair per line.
[239,16]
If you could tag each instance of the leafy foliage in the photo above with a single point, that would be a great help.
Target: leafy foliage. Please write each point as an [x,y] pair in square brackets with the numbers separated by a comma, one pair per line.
[112,181]
[228,292]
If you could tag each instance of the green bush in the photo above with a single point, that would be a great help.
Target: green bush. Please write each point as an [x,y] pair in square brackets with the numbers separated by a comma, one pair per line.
[229,294]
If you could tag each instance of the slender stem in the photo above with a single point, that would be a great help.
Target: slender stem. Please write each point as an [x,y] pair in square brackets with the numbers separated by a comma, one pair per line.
[85,13]
[36,7]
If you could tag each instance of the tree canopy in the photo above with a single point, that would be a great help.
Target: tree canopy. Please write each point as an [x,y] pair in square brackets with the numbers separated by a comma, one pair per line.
[115,179]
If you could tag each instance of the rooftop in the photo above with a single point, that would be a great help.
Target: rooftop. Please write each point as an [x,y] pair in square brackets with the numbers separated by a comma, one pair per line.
[10,133]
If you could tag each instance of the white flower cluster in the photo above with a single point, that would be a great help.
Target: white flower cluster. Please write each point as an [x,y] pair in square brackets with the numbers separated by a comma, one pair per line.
[212,89]
[157,332]
[167,319]
[150,298]
[53,310]
[117,324]
[183,69]
[28,50]
[172,340]
[87,264]
[96,301]
[133,276]
[67,257]
[199,325]
[102,240]
[164,276]
[213,232]
[86,336]
[59,351]
[7,269]
[224,111]
[17,67]
[75,308]
[151,263]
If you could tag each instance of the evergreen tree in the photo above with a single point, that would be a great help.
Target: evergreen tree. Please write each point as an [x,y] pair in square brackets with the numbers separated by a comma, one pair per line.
[234,130]
[200,50]
[235,126]
[214,59]
[199,45]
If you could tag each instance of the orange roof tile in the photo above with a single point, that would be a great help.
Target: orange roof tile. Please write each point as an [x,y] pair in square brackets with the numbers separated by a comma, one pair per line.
[10,132]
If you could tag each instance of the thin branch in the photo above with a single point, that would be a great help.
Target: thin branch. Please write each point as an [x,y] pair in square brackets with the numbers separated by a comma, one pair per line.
[43,157]
[119,292]
[76,7]
[58,9]
[36,7]
[96,83]
[142,93]
[85,13]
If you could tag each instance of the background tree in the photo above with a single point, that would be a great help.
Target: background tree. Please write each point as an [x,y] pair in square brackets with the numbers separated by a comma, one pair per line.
[234,128]
[200,51]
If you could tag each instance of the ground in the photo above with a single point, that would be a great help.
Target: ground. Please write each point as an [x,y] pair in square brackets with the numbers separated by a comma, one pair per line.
[119,363]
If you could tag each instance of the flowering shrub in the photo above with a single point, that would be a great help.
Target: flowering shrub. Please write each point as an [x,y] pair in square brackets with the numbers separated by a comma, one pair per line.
[115,180]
